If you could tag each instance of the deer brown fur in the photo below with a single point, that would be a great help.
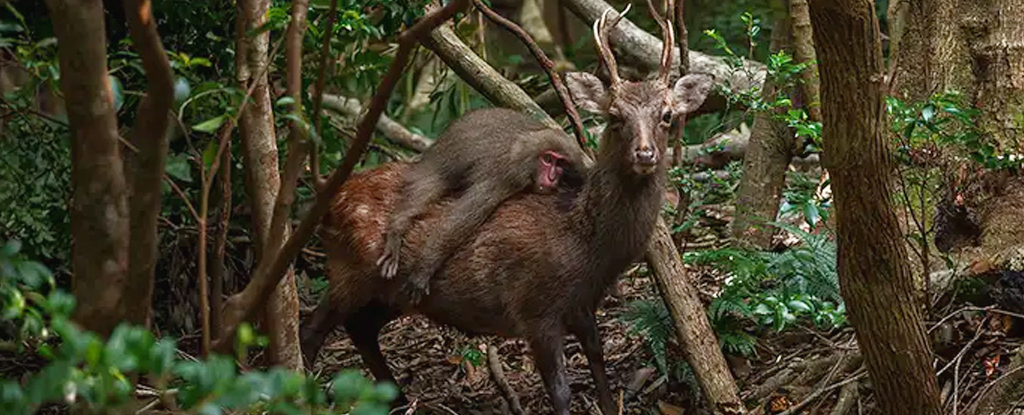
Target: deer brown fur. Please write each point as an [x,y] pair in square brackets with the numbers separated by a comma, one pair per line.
[540,265]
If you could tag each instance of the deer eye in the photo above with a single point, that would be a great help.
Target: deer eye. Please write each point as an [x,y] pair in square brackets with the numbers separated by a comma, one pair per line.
[666,117]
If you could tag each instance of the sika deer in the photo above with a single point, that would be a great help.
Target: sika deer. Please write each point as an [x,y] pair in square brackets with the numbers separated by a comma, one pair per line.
[540,265]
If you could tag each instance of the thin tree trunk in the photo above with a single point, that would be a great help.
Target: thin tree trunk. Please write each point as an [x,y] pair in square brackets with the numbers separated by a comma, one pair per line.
[803,51]
[259,145]
[764,166]
[99,207]
[873,270]
[700,345]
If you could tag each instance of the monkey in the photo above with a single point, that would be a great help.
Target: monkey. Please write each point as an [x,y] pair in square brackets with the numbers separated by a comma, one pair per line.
[488,155]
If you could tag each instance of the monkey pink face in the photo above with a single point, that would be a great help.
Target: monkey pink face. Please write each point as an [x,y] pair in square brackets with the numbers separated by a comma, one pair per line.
[550,166]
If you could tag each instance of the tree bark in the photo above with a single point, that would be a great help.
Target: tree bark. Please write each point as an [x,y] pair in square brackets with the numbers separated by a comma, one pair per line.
[99,207]
[700,345]
[764,167]
[150,136]
[873,271]
[259,145]
[803,51]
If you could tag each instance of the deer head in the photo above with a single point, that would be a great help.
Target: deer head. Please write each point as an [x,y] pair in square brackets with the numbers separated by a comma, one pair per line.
[639,113]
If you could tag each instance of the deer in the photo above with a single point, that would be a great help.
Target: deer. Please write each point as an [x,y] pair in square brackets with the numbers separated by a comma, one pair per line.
[539,266]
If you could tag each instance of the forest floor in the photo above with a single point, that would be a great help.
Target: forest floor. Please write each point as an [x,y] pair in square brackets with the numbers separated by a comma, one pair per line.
[812,370]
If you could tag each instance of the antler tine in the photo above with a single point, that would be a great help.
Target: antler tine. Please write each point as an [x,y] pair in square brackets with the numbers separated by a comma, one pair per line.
[601,29]
[666,30]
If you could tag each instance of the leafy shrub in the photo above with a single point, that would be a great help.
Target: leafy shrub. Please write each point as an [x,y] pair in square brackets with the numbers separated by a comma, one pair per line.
[774,290]
[101,375]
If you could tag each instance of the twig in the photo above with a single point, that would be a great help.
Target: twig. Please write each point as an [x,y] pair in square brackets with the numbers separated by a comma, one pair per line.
[498,374]
[268,273]
[960,355]
[547,64]
[793,409]
[184,198]
[321,78]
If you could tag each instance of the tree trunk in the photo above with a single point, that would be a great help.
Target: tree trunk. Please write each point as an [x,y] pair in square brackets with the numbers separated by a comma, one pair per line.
[99,207]
[764,167]
[976,48]
[150,137]
[692,325]
[873,271]
[259,145]
[803,51]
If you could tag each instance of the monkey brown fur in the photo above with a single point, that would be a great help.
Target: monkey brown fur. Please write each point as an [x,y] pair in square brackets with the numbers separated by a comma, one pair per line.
[489,155]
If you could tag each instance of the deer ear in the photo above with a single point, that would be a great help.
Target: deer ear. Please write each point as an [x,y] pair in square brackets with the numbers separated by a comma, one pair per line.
[587,91]
[689,92]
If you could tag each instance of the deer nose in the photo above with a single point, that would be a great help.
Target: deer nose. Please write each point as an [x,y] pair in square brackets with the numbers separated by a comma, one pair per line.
[646,155]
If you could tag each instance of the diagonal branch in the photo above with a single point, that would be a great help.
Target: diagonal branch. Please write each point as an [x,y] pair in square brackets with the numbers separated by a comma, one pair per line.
[240,307]
[556,79]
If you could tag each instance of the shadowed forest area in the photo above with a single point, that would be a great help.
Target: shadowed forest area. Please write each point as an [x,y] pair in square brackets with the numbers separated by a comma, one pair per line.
[685,207]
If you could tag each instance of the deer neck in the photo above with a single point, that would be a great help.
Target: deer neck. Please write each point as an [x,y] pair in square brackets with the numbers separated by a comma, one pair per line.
[617,210]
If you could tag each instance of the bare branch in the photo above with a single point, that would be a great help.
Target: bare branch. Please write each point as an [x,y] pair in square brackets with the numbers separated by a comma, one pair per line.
[392,129]
[241,306]
[645,50]
[556,79]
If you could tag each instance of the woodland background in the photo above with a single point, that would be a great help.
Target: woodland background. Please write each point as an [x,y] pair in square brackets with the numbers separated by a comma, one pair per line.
[849,241]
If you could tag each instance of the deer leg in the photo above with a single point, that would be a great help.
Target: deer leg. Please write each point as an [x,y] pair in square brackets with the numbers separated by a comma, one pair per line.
[550,357]
[457,225]
[584,328]
[322,322]
[363,327]
[416,195]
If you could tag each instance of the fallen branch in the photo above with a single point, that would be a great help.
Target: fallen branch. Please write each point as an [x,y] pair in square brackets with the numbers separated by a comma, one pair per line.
[240,307]
[645,49]
[556,80]
[481,76]
[498,374]
[391,129]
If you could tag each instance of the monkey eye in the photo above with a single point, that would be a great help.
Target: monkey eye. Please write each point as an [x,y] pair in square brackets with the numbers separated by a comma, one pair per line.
[666,117]
[546,158]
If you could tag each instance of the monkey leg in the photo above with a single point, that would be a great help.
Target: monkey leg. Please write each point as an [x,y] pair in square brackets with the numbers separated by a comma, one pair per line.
[548,352]
[584,327]
[457,225]
[363,327]
[421,189]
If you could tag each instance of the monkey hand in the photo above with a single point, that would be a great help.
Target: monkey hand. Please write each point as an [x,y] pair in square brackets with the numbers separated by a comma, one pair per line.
[415,289]
[388,261]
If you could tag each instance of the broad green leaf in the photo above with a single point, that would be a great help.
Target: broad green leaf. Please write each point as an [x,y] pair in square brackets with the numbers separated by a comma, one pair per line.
[178,168]
[210,125]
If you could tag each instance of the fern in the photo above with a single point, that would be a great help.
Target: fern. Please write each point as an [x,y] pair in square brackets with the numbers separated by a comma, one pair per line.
[651,320]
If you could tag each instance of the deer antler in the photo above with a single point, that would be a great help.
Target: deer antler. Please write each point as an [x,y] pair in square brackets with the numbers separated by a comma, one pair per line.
[601,29]
[666,30]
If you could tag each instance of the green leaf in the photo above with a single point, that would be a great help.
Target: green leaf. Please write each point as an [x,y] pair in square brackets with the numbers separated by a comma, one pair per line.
[178,168]
[210,125]
[928,113]
[210,153]
[798,305]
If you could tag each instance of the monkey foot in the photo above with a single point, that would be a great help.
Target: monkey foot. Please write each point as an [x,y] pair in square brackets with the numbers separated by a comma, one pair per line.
[414,291]
[388,261]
